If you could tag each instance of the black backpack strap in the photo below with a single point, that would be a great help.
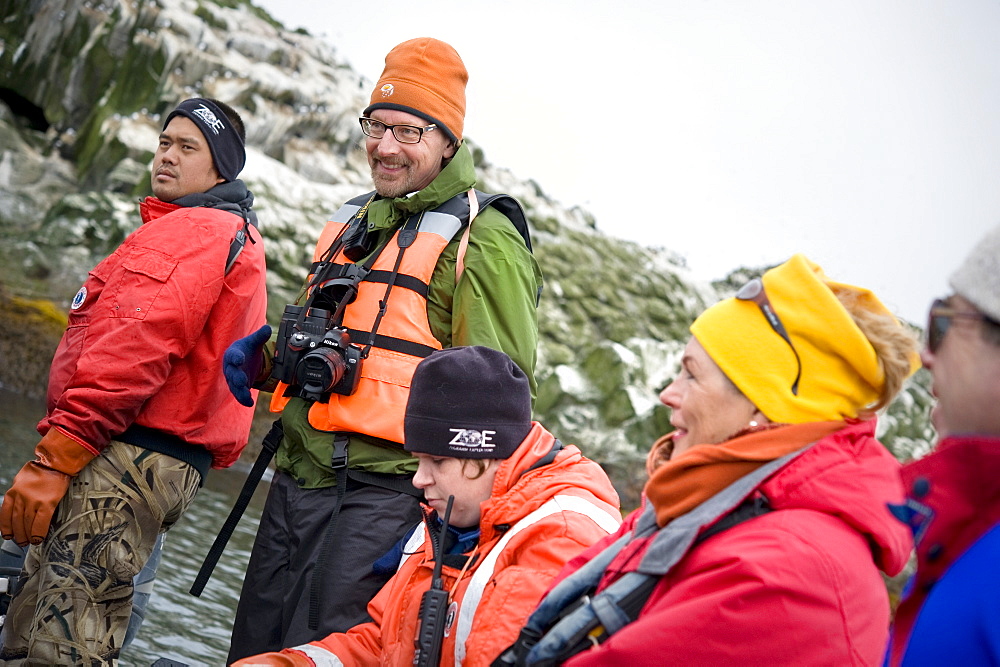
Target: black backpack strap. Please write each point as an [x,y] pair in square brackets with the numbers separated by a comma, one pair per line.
[339,464]
[751,508]
[561,601]
[397,483]
[512,210]
[237,244]
[632,602]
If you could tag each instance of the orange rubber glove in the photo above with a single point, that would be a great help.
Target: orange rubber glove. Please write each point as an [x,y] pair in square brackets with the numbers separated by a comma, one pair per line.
[283,659]
[31,501]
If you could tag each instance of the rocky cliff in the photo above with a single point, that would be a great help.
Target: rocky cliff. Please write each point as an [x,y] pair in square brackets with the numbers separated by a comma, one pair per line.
[84,84]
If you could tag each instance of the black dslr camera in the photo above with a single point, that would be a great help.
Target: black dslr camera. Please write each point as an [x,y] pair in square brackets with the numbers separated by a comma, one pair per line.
[315,355]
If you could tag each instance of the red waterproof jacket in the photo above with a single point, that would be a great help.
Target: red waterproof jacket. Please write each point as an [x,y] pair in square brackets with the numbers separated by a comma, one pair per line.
[951,611]
[797,586]
[148,329]
[535,521]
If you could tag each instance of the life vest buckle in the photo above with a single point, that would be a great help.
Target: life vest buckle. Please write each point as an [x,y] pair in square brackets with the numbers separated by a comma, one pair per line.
[339,458]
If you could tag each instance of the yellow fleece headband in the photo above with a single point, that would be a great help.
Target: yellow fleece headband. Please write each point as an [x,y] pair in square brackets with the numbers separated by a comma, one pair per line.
[840,370]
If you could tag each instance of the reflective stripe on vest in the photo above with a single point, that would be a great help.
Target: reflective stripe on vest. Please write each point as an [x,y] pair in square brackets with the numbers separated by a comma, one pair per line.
[343,214]
[377,407]
[413,544]
[320,656]
[474,592]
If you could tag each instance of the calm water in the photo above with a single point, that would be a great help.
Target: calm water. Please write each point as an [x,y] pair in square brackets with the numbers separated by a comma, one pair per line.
[178,625]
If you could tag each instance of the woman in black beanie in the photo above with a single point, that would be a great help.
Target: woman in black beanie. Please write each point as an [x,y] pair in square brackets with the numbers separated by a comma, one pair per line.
[522,504]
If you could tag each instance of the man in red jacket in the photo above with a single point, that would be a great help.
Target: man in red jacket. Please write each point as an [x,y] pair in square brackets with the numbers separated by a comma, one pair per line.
[137,410]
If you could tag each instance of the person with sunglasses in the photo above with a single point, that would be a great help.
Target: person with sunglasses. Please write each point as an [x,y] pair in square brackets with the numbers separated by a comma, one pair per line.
[763,526]
[950,613]
[507,505]
[423,262]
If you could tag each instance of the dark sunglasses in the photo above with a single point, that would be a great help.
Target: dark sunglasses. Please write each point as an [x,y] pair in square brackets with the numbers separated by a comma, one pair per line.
[754,291]
[939,321]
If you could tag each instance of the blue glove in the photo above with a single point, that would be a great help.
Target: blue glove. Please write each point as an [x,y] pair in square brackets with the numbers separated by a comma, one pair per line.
[242,362]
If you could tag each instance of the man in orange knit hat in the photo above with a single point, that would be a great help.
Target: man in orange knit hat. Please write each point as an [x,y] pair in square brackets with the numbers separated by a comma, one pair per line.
[398,273]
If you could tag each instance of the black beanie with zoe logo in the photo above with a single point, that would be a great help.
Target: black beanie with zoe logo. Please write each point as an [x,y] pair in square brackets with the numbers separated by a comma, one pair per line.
[467,403]
[228,152]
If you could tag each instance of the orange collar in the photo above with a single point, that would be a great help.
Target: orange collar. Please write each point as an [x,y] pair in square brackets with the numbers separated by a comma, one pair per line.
[681,484]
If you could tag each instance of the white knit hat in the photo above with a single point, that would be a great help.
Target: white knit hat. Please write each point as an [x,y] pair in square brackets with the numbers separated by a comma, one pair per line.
[978,279]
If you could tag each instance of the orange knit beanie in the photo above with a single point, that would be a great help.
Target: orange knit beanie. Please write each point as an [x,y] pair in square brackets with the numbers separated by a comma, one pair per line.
[426,77]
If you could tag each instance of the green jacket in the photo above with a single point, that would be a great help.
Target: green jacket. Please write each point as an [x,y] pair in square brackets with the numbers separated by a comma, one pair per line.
[493,304]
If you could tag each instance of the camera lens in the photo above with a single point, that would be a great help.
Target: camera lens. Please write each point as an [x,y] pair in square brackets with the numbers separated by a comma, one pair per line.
[320,369]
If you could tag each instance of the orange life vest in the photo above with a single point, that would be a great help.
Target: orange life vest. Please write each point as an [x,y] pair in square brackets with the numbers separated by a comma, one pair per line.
[403,336]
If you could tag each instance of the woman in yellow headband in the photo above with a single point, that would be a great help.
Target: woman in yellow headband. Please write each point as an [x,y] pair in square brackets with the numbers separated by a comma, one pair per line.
[764,523]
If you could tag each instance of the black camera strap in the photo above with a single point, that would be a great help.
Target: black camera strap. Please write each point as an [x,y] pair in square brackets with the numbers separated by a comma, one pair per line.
[404,239]
[322,265]
[268,447]
[338,243]
[346,278]
[321,270]
[349,276]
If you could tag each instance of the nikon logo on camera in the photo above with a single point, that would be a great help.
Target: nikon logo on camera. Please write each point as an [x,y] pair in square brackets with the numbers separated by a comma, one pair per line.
[314,355]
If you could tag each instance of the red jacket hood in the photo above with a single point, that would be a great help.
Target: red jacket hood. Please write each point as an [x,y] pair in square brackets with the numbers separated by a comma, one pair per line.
[852,476]
[518,490]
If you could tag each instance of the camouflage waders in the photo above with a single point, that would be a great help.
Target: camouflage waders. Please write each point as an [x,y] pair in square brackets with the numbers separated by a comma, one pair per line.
[73,604]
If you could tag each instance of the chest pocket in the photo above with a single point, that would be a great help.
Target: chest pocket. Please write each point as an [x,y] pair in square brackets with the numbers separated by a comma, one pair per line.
[144,272]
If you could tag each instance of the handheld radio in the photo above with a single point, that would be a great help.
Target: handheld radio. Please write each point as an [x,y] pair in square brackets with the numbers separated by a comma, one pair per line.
[433,605]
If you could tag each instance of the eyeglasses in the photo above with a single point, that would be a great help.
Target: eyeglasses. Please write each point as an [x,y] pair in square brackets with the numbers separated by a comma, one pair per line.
[405,134]
[754,291]
[939,321]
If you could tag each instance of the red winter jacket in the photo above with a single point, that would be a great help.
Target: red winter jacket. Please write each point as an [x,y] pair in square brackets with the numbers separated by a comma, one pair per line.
[535,521]
[951,612]
[797,586]
[148,329]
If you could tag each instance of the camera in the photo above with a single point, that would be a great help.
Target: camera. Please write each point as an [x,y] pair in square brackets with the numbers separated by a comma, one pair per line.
[314,355]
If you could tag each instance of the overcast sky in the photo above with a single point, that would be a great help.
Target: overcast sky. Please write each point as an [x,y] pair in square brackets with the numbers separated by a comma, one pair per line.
[864,133]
